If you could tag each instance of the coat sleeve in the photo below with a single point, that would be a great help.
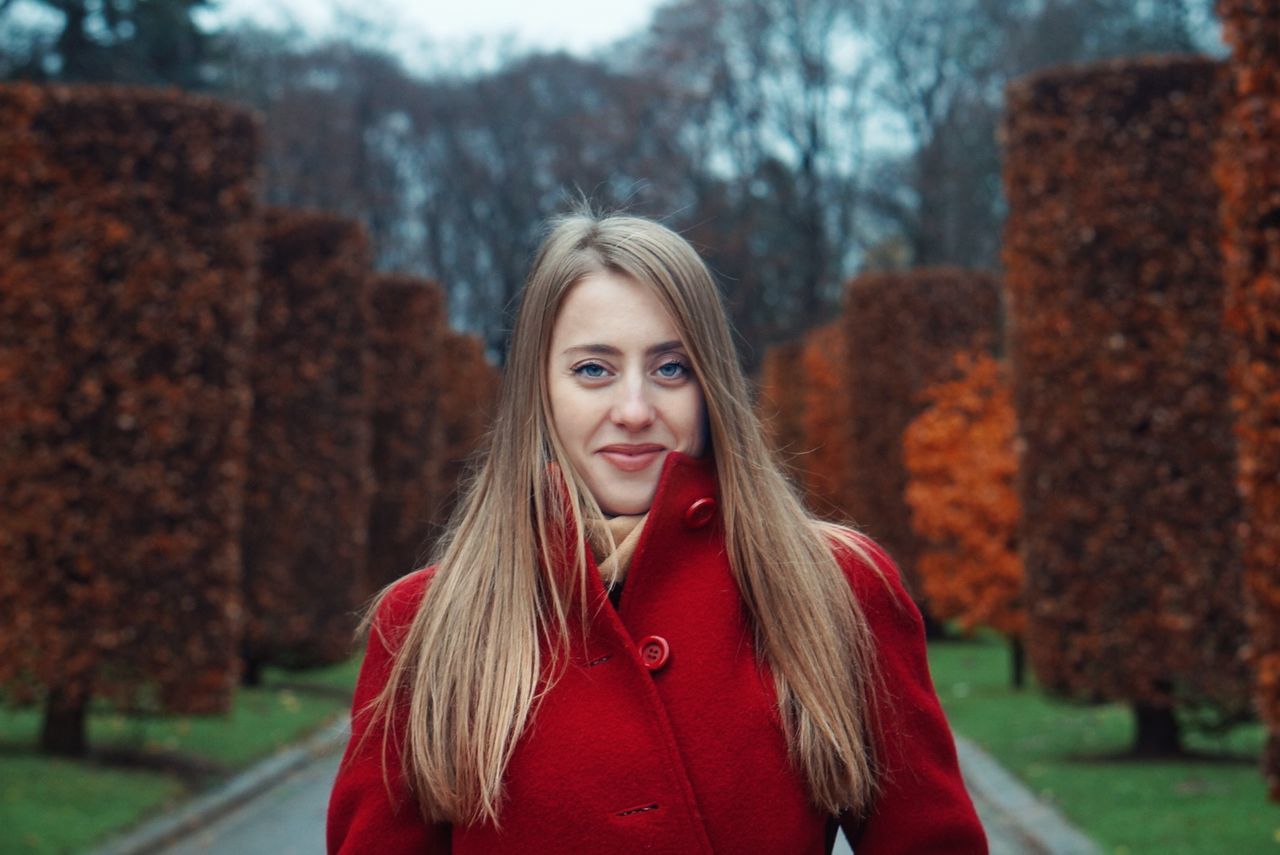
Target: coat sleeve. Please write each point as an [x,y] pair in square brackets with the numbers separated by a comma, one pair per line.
[364,817]
[922,805]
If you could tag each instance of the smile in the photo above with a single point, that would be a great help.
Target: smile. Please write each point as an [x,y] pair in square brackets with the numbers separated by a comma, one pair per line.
[631,458]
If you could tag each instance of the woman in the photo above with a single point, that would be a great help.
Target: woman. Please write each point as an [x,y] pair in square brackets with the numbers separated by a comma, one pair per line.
[635,638]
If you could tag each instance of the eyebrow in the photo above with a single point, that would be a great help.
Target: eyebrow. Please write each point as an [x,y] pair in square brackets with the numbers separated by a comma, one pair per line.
[610,350]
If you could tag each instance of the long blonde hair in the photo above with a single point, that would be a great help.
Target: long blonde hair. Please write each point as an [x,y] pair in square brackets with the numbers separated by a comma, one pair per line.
[471,661]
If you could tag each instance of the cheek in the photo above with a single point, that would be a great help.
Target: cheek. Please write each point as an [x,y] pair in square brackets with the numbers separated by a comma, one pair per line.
[559,406]
[570,413]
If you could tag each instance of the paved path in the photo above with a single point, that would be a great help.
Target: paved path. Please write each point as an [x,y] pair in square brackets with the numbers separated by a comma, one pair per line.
[1016,821]
[288,819]
[1003,836]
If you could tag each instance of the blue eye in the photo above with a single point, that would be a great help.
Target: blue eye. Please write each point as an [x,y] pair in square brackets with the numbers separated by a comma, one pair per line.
[590,370]
[673,370]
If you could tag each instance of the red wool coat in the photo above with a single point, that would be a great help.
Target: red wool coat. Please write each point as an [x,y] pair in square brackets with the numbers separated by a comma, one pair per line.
[662,736]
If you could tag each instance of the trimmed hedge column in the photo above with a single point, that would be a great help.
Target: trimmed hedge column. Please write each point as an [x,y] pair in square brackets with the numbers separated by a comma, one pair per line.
[825,417]
[1249,178]
[962,460]
[310,480]
[781,404]
[901,333]
[1115,288]
[408,427]
[468,394]
[127,227]
[803,403]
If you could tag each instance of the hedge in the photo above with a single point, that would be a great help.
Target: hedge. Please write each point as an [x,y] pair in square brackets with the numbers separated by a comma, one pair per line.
[901,332]
[1248,176]
[468,394]
[1115,289]
[780,405]
[310,479]
[825,419]
[127,249]
[408,428]
[961,462]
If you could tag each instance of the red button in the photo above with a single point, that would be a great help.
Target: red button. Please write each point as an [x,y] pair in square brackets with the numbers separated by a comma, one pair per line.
[700,513]
[654,652]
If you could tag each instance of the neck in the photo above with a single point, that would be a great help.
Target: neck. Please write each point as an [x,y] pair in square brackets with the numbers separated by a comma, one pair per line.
[613,542]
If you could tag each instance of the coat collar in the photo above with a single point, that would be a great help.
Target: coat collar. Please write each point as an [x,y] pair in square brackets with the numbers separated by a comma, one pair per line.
[685,505]
[685,502]
[683,481]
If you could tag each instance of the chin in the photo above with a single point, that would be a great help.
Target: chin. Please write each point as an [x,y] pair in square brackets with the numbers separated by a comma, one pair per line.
[626,503]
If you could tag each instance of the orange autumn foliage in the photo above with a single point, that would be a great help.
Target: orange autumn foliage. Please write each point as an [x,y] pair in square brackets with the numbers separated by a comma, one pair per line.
[780,404]
[1247,172]
[1114,283]
[803,404]
[902,329]
[960,460]
[824,418]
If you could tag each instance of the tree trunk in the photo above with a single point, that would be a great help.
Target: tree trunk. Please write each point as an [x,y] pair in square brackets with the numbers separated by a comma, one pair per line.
[1018,662]
[252,674]
[934,629]
[64,730]
[1270,765]
[1157,733]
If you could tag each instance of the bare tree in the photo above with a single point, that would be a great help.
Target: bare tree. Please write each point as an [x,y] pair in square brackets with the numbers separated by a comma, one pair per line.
[497,154]
[793,141]
[336,118]
[765,97]
[110,41]
[943,65]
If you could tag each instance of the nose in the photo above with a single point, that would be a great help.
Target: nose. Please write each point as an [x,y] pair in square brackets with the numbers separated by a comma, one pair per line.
[632,409]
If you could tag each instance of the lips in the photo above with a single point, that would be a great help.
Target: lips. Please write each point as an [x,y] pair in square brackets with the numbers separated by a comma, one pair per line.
[631,458]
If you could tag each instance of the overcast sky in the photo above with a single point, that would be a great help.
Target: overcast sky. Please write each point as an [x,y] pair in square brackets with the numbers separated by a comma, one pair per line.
[576,25]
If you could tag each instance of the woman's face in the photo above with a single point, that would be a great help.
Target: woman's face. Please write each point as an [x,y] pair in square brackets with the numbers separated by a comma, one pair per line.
[623,395]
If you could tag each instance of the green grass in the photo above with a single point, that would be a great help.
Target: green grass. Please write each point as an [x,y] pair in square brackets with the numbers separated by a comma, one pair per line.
[141,766]
[1067,754]
[1073,757]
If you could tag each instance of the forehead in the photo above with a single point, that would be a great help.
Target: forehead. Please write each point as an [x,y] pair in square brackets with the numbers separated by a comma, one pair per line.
[607,307]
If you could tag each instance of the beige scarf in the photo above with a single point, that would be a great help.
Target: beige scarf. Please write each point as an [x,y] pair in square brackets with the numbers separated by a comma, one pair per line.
[625,533]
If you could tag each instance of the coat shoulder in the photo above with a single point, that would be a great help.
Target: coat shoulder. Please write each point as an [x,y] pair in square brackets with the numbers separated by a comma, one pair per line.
[398,604]
[873,576]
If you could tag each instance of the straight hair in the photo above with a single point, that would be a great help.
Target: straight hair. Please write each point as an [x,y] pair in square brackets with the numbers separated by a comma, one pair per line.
[495,619]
